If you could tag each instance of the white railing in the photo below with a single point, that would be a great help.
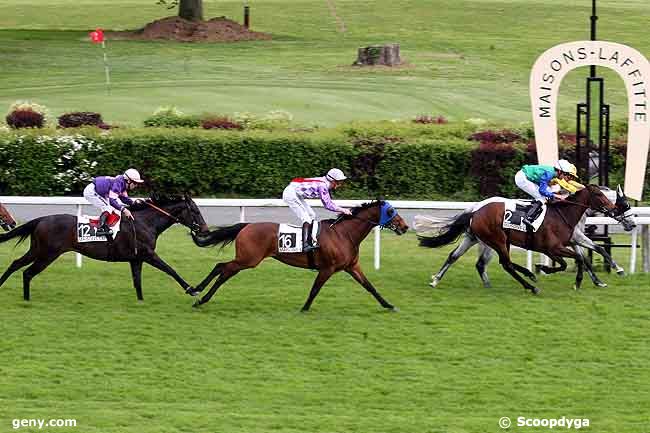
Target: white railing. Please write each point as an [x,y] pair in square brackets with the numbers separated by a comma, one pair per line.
[642,217]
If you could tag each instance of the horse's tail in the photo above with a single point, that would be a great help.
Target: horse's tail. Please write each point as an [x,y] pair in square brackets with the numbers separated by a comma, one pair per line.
[22,231]
[222,235]
[454,227]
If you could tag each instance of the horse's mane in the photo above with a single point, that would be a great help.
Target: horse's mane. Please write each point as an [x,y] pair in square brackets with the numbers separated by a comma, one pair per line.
[158,200]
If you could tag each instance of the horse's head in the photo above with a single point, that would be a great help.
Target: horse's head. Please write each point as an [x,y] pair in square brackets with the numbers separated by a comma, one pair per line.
[599,202]
[383,214]
[6,220]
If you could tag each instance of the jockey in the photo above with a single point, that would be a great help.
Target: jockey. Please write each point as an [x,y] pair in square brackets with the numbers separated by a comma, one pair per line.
[535,180]
[313,187]
[107,193]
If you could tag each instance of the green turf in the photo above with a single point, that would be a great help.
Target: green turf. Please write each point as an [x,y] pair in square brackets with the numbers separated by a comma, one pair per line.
[466,58]
[454,359]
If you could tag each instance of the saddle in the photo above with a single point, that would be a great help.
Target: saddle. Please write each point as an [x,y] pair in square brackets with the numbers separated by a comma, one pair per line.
[295,239]
[87,228]
[515,212]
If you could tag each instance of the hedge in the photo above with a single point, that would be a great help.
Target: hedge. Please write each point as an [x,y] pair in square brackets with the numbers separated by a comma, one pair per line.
[419,164]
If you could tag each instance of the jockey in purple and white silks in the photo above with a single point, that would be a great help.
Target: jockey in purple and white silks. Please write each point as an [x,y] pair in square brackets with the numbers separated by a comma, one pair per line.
[310,188]
[108,193]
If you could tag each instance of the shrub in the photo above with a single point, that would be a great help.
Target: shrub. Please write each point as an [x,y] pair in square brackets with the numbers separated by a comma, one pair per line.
[273,120]
[425,119]
[80,118]
[171,117]
[25,119]
[26,114]
[221,123]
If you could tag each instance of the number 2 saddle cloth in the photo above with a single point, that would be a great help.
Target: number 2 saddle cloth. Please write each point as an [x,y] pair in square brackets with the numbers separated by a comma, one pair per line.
[515,212]
[87,227]
[290,237]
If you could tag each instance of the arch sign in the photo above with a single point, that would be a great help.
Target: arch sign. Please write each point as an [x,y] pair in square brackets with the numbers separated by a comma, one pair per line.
[546,76]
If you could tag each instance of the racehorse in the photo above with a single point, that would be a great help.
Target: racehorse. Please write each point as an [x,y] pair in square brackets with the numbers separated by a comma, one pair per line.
[135,243]
[578,241]
[484,223]
[339,248]
[6,220]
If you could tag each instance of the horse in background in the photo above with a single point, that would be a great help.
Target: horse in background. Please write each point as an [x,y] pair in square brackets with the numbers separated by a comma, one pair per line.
[7,222]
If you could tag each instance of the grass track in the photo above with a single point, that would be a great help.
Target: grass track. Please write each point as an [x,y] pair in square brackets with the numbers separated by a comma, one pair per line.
[468,58]
[454,359]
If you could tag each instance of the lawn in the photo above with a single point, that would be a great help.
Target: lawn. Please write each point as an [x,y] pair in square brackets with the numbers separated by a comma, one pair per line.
[453,359]
[465,59]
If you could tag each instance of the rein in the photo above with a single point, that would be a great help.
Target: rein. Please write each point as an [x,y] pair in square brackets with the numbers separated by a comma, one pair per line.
[172,217]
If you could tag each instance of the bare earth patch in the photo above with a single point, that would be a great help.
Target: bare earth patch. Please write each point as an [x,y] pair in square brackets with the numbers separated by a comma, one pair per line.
[219,29]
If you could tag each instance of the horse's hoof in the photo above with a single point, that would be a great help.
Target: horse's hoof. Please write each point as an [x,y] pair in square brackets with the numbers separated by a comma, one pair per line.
[192,291]
[487,285]
[576,287]
[535,290]
[393,310]
[600,284]
[620,272]
[434,282]
[196,303]
[304,310]
[538,269]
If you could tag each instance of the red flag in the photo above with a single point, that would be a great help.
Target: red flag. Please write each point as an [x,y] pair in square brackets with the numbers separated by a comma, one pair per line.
[97,36]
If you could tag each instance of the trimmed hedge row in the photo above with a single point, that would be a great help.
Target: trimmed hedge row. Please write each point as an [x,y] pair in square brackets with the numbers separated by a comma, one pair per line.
[260,164]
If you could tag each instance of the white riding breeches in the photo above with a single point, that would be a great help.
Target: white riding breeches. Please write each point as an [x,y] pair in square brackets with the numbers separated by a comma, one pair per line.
[97,200]
[530,188]
[298,205]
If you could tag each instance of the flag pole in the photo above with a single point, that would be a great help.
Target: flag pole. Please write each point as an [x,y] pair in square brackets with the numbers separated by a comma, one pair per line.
[106,69]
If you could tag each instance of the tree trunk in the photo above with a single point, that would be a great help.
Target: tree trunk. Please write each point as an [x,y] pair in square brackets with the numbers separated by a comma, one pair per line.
[191,10]
[387,55]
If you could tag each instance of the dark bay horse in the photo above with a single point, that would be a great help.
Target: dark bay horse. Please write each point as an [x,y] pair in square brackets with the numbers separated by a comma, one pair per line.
[339,248]
[6,220]
[135,243]
[553,238]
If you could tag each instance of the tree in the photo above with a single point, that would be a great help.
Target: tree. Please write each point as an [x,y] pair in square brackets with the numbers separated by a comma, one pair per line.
[191,10]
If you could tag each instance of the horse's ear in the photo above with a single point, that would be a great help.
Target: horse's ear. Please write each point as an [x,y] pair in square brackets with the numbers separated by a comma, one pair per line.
[619,191]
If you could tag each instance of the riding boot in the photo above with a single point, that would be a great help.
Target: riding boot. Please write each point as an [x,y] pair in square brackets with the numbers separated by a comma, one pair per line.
[306,237]
[533,213]
[104,229]
[314,240]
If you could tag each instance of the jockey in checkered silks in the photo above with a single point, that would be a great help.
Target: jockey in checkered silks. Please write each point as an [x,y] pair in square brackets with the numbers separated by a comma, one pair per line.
[302,188]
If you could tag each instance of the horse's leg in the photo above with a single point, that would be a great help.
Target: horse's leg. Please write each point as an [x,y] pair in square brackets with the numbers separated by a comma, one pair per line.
[586,264]
[467,242]
[359,276]
[481,265]
[25,260]
[160,264]
[34,269]
[563,251]
[502,250]
[201,286]
[136,274]
[581,239]
[228,271]
[524,270]
[321,278]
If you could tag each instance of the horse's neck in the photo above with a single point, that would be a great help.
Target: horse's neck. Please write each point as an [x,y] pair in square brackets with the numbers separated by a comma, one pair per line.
[572,213]
[357,229]
[154,219]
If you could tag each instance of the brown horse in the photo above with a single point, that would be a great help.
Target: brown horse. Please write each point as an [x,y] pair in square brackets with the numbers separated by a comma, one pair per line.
[6,220]
[553,238]
[135,243]
[339,248]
